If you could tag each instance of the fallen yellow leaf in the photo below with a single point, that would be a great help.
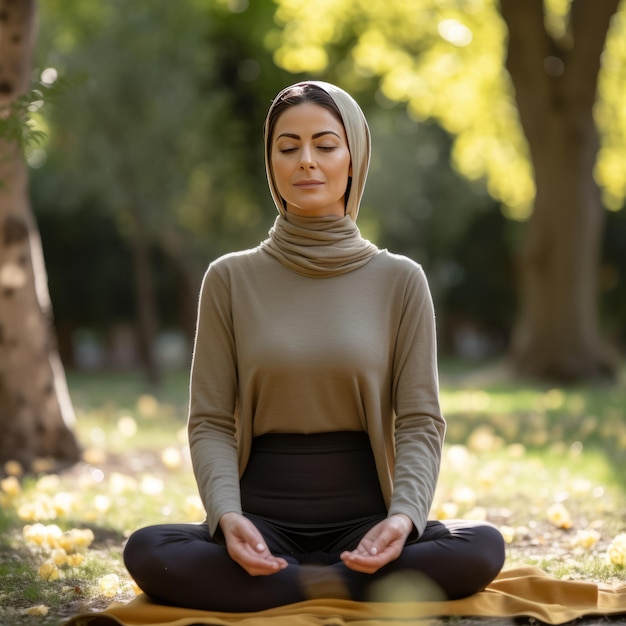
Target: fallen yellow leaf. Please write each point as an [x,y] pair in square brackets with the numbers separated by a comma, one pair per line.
[49,571]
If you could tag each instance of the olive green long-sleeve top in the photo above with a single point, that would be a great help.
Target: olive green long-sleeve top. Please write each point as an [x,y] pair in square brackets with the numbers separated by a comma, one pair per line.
[278,351]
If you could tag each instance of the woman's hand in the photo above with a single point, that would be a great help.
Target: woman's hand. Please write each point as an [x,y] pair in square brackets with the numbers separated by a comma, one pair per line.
[246,546]
[381,545]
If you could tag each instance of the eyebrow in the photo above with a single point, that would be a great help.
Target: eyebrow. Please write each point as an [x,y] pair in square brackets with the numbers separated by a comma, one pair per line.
[314,136]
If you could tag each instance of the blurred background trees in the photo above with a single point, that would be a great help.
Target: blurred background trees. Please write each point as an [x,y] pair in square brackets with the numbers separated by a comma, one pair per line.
[153,163]
[515,85]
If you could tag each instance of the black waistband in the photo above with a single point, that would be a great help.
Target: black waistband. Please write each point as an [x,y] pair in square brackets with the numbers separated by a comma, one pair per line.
[319,478]
[297,443]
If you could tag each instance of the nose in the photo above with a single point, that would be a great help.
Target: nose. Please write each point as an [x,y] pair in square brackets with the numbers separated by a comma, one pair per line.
[306,158]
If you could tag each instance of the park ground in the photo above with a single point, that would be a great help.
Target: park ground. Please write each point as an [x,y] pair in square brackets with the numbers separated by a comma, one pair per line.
[543,463]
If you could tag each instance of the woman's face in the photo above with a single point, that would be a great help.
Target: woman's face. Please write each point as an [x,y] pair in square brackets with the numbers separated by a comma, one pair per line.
[310,160]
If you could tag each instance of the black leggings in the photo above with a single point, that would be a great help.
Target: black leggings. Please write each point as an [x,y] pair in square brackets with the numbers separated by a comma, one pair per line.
[183,565]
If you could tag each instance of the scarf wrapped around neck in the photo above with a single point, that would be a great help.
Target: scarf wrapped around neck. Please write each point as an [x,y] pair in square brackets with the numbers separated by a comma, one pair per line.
[318,247]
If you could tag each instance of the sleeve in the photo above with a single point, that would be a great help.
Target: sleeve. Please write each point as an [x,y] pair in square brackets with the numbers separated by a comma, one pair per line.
[213,391]
[419,424]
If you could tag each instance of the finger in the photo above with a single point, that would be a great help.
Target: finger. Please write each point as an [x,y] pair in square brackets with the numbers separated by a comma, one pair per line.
[384,539]
[363,560]
[260,567]
[253,555]
[386,542]
[253,537]
[362,570]
[264,558]
[366,562]
[361,566]
[254,541]
[261,553]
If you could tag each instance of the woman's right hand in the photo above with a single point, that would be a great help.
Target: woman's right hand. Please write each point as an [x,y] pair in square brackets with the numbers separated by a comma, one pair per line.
[246,546]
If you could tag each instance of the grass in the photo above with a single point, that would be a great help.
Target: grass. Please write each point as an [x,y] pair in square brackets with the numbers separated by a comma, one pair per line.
[544,464]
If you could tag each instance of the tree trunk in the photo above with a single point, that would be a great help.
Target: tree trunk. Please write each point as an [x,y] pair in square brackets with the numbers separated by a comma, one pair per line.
[557,336]
[147,316]
[36,414]
[189,282]
[145,298]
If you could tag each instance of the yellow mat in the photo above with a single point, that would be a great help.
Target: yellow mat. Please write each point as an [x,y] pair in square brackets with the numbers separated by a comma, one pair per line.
[526,591]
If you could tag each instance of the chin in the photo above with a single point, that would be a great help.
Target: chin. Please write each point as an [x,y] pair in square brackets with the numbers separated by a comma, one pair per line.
[315,211]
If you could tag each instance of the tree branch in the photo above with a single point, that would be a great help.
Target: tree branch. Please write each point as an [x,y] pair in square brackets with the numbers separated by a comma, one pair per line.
[529,45]
[589,23]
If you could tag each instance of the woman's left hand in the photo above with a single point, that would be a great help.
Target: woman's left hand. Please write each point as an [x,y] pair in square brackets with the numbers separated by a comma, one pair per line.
[381,545]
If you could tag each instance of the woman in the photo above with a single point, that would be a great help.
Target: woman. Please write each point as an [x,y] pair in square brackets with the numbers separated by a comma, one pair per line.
[314,424]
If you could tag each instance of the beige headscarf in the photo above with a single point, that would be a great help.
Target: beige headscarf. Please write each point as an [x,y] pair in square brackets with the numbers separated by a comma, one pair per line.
[359,144]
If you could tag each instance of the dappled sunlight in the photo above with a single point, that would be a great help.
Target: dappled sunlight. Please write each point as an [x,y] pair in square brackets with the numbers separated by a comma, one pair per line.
[127,426]
[558,515]
[312,58]
[610,171]
[62,519]
[375,54]
[446,62]
[455,32]
[585,539]
[541,509]
[109,585]
[147,406]
[617,550]
[50,536]
[555,17]
[13,468]
[49,76]
[508,460]
[536,418]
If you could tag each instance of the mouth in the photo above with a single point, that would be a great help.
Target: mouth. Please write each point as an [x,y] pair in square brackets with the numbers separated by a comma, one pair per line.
[308,183]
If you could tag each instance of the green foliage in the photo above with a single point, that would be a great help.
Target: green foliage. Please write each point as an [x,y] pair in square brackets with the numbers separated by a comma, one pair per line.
[445,60]
[161,140]
[17,123]
[159,133]
[164,125]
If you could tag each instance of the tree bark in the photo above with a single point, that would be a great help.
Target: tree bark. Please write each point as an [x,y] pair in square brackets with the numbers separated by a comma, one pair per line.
[36,413]
[557,335]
